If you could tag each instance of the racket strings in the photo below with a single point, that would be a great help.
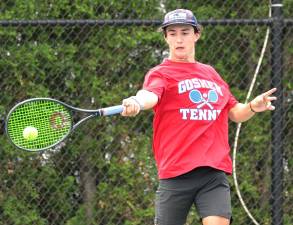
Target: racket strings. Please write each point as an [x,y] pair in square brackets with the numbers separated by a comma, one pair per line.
[51,119]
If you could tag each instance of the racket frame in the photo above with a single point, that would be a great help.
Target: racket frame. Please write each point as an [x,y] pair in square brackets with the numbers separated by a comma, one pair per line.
[93,113]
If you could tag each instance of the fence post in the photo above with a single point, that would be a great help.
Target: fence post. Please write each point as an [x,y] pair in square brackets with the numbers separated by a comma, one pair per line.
[277,116]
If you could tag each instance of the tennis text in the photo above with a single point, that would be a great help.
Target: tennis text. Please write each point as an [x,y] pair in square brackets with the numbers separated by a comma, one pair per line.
[199,114]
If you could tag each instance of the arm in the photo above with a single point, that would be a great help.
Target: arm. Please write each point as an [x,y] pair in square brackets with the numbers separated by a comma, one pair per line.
[143,100]
[243,112]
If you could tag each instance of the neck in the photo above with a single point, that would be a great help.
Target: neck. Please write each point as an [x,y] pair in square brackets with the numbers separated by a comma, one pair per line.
[188,59]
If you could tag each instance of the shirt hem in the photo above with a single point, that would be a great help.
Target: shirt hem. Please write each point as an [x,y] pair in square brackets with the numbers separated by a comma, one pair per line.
[167,175]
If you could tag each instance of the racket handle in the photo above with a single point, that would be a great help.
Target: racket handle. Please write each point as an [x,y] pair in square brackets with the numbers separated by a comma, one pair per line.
[111,110]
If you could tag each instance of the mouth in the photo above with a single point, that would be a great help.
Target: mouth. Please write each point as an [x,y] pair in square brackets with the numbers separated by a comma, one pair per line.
[179,48]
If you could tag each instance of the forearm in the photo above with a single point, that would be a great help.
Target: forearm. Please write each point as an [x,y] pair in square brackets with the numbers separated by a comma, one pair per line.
[141,101]
[241,112]
[147,99]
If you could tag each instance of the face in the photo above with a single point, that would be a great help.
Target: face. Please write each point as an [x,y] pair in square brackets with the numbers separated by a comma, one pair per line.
[181,40]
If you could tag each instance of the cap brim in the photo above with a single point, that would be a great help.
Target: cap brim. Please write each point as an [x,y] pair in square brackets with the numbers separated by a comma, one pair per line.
[174,23]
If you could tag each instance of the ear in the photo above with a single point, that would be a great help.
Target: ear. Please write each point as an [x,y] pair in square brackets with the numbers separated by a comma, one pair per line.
[196,36]
[166,39]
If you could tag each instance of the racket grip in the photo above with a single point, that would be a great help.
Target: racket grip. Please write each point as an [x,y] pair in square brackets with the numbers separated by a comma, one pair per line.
[111,110]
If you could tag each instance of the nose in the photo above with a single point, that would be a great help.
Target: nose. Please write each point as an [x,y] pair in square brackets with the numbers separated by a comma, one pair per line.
[179,39]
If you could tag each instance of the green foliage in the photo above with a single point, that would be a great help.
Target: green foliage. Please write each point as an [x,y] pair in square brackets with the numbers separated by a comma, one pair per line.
[20,213]
[105,174]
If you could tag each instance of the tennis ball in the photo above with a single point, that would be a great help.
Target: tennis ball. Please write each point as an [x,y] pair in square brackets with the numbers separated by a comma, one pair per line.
[30,133]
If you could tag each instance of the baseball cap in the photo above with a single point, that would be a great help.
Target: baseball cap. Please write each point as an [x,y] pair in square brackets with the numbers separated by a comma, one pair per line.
[180,16]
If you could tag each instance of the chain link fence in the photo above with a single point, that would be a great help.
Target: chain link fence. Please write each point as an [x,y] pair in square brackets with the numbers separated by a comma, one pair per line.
[92,54]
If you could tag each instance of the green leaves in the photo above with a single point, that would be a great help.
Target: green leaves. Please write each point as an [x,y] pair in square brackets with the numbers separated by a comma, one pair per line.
[109,160]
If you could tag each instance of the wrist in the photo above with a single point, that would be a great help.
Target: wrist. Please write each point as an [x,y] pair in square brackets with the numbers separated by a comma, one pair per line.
[135,98]
[251,109]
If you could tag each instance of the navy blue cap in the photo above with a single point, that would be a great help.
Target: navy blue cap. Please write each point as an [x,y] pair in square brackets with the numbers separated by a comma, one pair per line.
[180,16]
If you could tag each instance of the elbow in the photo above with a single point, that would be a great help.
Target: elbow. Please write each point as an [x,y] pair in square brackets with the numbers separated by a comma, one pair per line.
[233,117]
[236,118]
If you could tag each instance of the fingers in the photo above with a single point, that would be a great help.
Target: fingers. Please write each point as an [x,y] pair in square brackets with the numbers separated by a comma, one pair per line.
[267,99]
[263,102]
[269,92]
[269,106]
[131,107]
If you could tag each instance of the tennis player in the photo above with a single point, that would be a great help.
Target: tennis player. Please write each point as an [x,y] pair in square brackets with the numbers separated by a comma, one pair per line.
[192,105]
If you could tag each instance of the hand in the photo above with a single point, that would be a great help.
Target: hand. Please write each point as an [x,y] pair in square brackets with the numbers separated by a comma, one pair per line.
[131,107]
[263,102]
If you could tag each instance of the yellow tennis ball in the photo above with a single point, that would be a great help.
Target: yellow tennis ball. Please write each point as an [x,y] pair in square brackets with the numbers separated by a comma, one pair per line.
[30,133]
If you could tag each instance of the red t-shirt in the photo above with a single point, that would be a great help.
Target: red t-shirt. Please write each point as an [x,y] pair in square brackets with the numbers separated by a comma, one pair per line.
[191,117]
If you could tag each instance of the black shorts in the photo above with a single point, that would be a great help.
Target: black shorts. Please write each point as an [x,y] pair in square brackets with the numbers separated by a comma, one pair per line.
[207,188]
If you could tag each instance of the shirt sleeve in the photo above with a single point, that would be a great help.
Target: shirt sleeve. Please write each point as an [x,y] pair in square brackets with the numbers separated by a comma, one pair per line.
[155,83]
[232,101]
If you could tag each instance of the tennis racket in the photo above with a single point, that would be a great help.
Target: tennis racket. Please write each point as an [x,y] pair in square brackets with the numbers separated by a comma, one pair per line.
[196,97]
[212,97]
[41,123]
